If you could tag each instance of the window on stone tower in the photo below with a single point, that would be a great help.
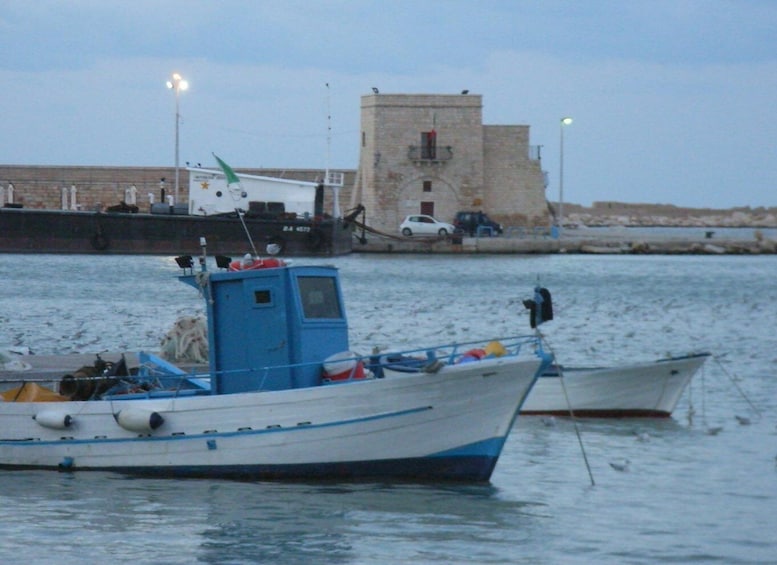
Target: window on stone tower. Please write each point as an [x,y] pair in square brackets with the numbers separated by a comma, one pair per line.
[429,144]
[427,186]
[364,139]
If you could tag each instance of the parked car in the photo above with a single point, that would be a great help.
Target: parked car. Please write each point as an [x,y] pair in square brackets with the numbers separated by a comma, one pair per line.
[469,222]
[421,224]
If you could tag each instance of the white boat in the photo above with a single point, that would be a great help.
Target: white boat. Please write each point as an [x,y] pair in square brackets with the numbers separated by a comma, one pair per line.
[640,390]
[283,397]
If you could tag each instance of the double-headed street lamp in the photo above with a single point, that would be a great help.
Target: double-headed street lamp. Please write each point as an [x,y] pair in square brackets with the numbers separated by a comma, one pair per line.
[177,84]
[564,122]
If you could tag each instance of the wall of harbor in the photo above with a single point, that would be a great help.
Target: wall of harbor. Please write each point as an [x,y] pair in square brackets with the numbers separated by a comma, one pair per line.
[98,187]
[590,244]
[42,187]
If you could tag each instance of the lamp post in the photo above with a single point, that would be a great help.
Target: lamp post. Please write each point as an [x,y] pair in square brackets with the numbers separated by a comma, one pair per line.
[564,122]
[177,84]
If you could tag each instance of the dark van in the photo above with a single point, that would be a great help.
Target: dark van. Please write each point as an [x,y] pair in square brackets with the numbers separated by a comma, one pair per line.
[469,222]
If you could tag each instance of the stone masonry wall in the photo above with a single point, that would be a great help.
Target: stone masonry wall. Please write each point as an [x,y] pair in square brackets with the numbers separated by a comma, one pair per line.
[392,181]
[100,187]
[476,167]
[515,192]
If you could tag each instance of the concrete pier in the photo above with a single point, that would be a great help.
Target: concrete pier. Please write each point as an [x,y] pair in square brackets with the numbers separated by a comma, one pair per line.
[572,241]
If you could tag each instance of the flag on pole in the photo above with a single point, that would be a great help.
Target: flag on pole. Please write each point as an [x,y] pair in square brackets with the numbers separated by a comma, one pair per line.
[231,176]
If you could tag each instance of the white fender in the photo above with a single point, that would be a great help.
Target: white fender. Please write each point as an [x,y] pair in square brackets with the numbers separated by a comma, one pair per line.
[138,419]
[54,419]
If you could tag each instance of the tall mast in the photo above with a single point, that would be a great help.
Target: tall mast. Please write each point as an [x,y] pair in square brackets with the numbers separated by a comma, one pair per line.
[328,131]
[329,180]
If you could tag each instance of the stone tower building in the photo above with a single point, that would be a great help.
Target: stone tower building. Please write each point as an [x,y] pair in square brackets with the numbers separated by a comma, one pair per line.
[431,154]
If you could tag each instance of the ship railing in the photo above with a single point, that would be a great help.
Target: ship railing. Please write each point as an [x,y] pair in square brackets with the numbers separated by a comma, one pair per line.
[159,380]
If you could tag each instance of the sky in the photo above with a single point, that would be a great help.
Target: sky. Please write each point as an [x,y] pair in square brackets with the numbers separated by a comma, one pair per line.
[673,101]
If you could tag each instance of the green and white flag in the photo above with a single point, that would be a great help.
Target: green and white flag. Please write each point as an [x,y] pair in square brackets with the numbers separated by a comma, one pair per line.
[231,176]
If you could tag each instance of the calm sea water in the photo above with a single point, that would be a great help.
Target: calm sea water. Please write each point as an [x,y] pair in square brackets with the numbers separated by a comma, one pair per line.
[687,497]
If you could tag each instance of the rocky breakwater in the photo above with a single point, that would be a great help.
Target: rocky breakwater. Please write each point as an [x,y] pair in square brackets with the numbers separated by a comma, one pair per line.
[576,242]
[619,217]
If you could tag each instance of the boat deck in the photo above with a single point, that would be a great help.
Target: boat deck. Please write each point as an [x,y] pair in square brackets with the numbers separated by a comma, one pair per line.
[54,367]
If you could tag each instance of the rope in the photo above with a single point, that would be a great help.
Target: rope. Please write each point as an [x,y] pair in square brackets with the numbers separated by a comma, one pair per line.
[704,399]
[569,406]
[248,235]
[203,282]
[739,389]
[691,409]
[235,194]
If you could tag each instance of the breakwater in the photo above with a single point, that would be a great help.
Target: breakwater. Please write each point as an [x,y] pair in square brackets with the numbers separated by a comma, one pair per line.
[585,241]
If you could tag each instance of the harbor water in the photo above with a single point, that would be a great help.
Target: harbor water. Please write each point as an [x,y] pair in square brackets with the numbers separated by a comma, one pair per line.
[700,487]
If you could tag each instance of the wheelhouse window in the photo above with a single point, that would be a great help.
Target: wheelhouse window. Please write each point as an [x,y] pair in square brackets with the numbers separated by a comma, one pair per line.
[319,297]
[262,297]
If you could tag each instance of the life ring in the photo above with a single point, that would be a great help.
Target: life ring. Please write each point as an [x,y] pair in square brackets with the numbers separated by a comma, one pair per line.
[100,241]
[315,239]
[249,264]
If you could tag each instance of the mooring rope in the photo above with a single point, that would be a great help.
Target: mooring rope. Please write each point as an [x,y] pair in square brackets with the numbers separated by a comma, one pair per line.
[248,235]
[691,409]
[739,389]
[544,340]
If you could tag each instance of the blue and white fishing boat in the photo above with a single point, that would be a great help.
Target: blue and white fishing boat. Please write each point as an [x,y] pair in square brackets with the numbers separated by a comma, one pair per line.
[283,397]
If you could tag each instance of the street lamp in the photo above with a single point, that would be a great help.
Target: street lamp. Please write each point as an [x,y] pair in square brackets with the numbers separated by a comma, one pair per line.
[177,84]
[564,122]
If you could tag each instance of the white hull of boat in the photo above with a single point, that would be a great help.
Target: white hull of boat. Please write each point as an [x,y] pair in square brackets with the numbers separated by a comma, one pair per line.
[639,390]
[446,425]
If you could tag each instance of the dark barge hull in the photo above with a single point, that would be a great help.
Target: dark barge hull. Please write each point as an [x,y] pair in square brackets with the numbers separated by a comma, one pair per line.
[55,231]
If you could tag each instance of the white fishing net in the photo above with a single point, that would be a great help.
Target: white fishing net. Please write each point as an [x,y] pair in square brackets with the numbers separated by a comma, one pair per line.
[187,340]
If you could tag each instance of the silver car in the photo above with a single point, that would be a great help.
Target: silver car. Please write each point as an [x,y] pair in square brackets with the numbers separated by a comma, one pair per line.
[421,224]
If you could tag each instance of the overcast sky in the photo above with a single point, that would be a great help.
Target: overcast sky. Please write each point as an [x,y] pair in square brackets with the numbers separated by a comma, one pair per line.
[673,101]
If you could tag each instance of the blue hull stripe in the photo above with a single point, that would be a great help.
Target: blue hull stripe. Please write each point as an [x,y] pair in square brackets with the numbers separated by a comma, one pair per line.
[474,462]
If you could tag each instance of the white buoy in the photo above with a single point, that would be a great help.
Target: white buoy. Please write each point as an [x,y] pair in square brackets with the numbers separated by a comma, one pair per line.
[54,419]
[138,419]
